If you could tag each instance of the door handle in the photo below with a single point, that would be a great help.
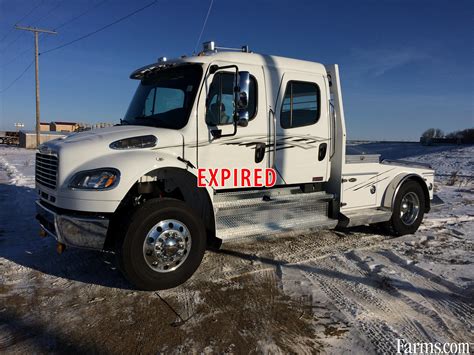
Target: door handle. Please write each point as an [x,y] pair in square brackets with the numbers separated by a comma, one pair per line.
[322,151]
[260,152]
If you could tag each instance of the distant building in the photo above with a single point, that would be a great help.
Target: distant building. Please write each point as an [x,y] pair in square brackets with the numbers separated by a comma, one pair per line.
[63,126]
[45,126]
[27,139]
[88,126]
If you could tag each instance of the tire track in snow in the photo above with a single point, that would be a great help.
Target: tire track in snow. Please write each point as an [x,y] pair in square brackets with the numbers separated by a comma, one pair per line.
[435,291]
[403,301]
[380,311]
[380,297]
[377,331]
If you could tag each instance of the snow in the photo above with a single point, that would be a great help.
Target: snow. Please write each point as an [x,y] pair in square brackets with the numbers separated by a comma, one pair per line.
[334,291]
[19,165]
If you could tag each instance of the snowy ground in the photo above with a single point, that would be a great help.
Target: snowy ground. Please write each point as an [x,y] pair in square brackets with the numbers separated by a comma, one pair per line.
[330,292]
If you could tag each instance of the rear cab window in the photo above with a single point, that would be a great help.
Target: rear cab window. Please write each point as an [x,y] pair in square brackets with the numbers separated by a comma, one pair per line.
[301,104]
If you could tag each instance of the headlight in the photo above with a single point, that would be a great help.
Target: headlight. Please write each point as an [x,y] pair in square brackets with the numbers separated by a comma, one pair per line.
[99,179]
[135,142]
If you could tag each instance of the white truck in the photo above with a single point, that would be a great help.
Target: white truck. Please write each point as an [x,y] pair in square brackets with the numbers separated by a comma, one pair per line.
[132,189]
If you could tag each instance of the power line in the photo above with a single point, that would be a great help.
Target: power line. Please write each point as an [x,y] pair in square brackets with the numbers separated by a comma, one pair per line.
[41,18]
[16,57]
[100,29]
[81,14]
[75,40]
[203,26]
[18,77]
[32,10]
[21,19]
[54,8]
[35,21]
[11,42]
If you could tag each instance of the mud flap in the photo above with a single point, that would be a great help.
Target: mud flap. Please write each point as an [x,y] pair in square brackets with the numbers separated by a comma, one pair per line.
[436,202]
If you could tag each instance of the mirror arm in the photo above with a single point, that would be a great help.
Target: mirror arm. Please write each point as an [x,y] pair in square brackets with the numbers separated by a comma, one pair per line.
[240,116]
[217,133]
[214,68]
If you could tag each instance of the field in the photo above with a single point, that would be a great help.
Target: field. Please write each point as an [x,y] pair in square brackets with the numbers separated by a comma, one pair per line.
[334,291]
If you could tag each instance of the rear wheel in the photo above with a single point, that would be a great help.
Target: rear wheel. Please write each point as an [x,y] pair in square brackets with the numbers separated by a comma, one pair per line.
[408,210]
[163,246]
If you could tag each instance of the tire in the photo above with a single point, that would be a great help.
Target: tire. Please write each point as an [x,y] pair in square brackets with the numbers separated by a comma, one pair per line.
[405,220]
[149,240]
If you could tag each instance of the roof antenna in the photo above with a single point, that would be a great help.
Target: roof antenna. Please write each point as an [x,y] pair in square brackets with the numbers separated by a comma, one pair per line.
[203,27]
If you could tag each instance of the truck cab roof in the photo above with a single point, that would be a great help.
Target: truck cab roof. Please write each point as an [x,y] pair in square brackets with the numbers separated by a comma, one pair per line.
[271,61]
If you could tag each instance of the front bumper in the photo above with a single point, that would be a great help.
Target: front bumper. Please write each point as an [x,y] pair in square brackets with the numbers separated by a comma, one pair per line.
[76,231]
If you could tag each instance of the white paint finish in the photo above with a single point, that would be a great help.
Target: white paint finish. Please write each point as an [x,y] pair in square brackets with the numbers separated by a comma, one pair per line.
[90,150]
[383,176]
[267,61]
[338,130]
[297,148]
[235,151]
[356,190]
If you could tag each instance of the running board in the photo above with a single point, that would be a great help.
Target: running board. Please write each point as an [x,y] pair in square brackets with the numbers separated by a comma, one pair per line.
[364,216]
[262,213]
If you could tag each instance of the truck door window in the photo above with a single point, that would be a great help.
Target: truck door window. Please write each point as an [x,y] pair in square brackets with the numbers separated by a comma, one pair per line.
[301,104]
[220,101]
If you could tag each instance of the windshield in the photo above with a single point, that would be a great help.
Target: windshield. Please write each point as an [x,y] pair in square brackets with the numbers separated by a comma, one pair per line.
[165,98]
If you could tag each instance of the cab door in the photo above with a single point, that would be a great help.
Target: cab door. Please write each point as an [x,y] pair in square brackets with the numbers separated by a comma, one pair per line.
[302,129]
[248,147]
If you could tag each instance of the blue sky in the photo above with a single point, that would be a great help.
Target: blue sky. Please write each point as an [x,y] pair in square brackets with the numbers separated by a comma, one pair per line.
[406,65]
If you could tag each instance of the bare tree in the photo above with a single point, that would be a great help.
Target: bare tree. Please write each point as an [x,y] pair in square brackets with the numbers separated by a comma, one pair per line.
[432,133]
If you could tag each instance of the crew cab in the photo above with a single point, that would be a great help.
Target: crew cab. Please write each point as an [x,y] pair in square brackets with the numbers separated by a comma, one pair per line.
[132,189]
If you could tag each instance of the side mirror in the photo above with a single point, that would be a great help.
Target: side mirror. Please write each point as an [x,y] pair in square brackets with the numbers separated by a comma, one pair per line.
[242,99]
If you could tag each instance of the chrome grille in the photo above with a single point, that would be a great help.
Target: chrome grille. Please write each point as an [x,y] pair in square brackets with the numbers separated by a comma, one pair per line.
[46,170]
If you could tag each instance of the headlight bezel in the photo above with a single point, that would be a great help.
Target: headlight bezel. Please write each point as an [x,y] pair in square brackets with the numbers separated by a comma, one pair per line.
[77,178]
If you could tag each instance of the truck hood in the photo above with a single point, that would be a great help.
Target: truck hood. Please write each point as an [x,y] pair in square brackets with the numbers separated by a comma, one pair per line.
[91,150]
[99,140]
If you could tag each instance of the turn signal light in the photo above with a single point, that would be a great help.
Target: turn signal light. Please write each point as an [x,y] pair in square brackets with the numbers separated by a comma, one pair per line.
[60,247]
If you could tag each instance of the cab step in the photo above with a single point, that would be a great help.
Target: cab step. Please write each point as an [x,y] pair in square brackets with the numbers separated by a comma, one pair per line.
[269,212]
[364,216]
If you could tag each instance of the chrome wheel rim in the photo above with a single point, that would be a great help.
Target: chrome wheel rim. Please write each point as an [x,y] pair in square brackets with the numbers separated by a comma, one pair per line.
[167,245]
[409,208]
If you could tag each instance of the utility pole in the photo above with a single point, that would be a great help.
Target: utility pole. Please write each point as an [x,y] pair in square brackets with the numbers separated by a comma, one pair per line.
[36,31]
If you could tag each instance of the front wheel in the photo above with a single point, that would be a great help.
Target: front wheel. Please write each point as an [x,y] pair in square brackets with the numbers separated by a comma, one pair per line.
[164,244]
[408,210]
